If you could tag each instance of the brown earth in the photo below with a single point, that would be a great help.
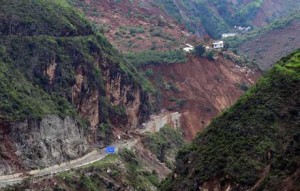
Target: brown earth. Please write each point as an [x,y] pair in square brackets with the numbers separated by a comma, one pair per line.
[272,9]
[8,155]
[201,89]
[269,47]
[269,10]
[118,20]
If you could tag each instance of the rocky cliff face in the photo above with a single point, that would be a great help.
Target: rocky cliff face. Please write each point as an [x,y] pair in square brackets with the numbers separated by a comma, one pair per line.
[125,95]
[55,68]
[121,101]
[40,143]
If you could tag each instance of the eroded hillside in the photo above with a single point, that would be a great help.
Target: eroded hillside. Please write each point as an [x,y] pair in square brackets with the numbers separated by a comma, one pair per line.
[254,145]
[220,16]
[269,46]
[135,25]
[200,88]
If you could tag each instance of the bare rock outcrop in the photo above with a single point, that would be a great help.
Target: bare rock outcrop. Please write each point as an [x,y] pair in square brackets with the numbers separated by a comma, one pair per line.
[40,143]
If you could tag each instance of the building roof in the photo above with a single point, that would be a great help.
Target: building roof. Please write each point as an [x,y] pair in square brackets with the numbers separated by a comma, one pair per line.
[190,46]
[218,42]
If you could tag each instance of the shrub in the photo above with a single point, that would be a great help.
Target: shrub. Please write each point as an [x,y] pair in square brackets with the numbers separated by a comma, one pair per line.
[163,143]
[149,72]
[210,55]
[199,50]
[155,57]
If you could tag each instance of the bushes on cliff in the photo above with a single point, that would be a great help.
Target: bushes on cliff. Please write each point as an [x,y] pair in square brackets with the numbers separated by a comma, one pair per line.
[155,57]
[164,143]
[41,17]
[199,50]
[20,99]
[259,132]
[53,33]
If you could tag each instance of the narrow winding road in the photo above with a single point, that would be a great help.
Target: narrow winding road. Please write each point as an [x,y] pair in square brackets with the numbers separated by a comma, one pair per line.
[89,158]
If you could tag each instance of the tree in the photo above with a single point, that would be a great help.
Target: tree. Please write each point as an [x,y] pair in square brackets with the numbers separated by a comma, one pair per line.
[199,50]
[210,55]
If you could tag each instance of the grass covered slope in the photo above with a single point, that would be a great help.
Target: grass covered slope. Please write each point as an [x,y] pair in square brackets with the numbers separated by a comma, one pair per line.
[28,45]
[268,44]
[20,99]
[220,16]
[47,44]
[255,144]
[41,17]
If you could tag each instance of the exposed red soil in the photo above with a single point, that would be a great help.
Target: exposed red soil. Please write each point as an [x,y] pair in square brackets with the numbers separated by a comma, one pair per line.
[8,151]
[292,182]
[207,87]
[118,17]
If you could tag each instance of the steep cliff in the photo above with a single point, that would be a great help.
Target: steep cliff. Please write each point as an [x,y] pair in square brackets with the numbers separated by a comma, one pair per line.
[252,146]
[40,143]
[63,85]
[200,89]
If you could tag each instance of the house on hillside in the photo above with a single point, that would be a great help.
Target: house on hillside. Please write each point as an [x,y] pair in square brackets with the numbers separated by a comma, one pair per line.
[189,48]
[226,35]
[218,44]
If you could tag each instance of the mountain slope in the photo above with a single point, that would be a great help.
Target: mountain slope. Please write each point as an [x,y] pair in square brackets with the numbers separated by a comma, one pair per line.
[253,145]
[63,86]
[135,25]
[271,42]
[219,16]
[200,88]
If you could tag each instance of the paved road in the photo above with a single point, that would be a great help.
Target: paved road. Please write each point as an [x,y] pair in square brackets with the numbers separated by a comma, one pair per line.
[89,158]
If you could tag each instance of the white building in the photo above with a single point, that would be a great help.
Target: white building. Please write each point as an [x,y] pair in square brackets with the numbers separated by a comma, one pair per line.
[218,44]
[225,35]
[188,48]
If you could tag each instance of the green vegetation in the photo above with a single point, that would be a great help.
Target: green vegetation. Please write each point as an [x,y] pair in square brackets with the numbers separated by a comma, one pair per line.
[93,182]
[123,170]
[210,55]
[54,35]
[134,30]
[164,144]
[234,42]
[261,130]
[55,18]
[155,57]
[139,178]
[219,16]
[20,99]
[199,50]
[170,7]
